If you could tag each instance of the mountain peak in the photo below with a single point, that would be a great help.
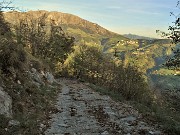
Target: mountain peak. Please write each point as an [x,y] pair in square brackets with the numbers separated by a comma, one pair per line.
[60,19]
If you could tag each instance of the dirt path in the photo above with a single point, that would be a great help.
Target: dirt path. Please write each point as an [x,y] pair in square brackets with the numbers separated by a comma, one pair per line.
[85,112]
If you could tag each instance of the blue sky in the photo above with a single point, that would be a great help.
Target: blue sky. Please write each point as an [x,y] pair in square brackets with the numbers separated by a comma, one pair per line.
[142,17]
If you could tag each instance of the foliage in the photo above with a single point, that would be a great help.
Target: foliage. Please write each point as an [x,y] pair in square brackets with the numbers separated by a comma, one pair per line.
[58,44]
[13,57]
[163,114]
[88,63]
[82,61]
[31,106]
[174,35]
[164,109]
[174,61]
[43,39]
[114,95]
[4,28]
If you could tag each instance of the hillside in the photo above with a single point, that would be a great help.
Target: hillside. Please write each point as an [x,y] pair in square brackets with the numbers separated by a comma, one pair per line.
[128,47]
[134,36]
[58,19]
[37,46]
[142,51]
[82,30]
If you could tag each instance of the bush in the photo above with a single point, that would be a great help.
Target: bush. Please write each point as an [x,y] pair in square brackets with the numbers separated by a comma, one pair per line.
[13,58]
[88,63]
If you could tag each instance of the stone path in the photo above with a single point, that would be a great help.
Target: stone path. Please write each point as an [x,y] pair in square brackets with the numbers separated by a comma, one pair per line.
[85,112]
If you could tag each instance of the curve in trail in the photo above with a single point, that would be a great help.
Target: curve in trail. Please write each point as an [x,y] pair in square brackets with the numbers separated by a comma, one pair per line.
[85,112]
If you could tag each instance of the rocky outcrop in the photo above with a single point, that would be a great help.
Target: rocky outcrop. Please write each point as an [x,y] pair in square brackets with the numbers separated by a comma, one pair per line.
[5,103]
[41,78]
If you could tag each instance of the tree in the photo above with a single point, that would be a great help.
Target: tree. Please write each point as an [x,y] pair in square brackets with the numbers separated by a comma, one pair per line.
[174,35]
[12,56]
[43,38]
[84,61]
[4,28]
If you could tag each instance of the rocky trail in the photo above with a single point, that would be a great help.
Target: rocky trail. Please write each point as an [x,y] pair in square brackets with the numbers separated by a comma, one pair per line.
[83,111]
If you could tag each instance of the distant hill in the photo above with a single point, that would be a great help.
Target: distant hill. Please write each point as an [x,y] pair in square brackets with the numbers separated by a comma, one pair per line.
[81,29]
[133,36]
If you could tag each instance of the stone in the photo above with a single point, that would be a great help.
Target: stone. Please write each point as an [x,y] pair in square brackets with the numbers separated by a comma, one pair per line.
[143,128]
[36,84]
[129,119]
[128,129]
[18,82]
[42,126]
[87,127]
[86,112]
[1,82]
[105,133]
[5,103]
[49,77]
[33,70]
[36,77]
[63,125]
[155,132]
[14,123]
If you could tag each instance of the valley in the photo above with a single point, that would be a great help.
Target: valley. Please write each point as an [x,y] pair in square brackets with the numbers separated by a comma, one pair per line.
[147,54]
[86,32]
[61,74]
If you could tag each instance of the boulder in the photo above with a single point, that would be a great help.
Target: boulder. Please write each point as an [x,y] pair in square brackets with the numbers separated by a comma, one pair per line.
[5,103]
[13,123]
[40,78]
[50,78]
[36,76]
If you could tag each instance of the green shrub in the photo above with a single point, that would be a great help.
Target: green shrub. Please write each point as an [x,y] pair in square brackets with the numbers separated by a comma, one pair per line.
[13,57]
[88,63]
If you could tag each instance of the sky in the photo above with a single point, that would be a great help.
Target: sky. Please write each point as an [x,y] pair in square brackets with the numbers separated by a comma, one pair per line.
[141,17]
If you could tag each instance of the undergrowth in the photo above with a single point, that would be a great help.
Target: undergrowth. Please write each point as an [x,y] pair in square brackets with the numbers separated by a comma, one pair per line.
[32,107]
[164,113]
